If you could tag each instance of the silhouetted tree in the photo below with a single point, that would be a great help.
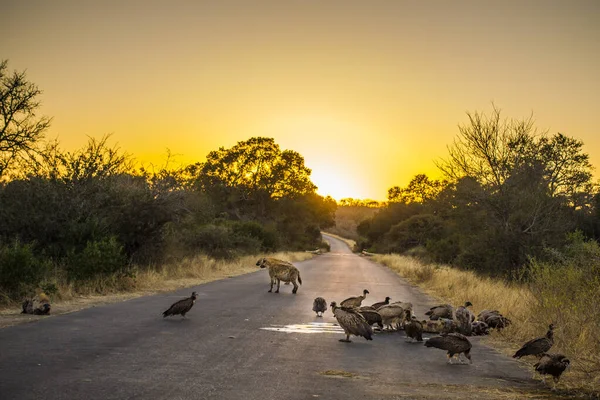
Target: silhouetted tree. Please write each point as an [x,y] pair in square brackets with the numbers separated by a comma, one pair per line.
[251,174]
[20,128]
[419,190]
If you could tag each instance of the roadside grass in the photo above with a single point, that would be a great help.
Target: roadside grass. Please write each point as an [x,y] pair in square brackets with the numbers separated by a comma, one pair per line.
[188,272]
[531,308]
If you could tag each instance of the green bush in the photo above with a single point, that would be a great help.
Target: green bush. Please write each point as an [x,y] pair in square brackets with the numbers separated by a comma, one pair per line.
[99,258]
[444,250]
[20,270]
[254,230]
[217,241]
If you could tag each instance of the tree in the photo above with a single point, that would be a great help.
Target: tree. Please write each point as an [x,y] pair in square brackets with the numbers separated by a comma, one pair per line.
[20,128]
[419,190]
[490,150]
[257,164]
[246,178]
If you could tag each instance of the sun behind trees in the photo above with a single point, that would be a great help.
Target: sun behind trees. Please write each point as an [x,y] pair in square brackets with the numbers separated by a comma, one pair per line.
[92,213]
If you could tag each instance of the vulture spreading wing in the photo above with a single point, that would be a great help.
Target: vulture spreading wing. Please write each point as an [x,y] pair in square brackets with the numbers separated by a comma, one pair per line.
[181,307]
[537,347]
[319,306]
[352,322]
[453,343]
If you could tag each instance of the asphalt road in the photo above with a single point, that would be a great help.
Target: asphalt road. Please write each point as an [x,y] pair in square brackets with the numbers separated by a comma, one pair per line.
[222,351]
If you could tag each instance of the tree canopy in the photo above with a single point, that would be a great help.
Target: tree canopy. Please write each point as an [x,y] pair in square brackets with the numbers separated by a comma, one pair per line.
[257,165]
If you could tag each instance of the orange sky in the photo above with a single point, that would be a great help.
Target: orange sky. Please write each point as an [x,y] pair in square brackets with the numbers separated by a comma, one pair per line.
[369,92]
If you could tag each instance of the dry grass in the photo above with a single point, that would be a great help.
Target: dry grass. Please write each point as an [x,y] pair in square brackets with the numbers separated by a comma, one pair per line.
[188,272]
[576,333]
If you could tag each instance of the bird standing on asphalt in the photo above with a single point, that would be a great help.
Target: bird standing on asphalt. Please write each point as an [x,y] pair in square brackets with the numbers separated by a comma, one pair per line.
[182,306]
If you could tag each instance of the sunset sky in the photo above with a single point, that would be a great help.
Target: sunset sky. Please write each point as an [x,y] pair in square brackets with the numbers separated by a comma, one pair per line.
[369,92]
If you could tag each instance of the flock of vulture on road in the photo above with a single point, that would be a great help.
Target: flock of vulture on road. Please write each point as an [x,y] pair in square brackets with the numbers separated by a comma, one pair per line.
[453,325]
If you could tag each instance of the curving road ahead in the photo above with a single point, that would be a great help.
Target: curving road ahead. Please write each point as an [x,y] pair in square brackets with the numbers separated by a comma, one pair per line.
[223,351]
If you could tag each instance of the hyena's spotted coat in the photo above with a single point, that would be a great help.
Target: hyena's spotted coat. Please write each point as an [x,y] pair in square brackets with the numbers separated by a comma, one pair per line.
[280,271]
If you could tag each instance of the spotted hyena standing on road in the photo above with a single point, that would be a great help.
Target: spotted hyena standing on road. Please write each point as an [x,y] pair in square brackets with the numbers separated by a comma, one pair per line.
[280,271]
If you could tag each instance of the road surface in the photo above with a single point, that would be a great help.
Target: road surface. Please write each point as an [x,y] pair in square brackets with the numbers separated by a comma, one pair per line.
[240,342]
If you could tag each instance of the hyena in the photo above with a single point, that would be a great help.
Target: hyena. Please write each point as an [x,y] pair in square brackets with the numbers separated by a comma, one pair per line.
[280,271]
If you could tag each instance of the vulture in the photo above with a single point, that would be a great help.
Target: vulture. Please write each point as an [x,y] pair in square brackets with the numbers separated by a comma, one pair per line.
[319,306]
[552,364]
[354,301]
[381,303]
[367,308]
[181,306]
[493,319]
[442,325]
[352,322]
[479,328]
[498,321]
[454,343]
[43,309]
[371,316]
[442,311]
[412,327]
[464,317]
[406,306]
[391,314]
[537,347]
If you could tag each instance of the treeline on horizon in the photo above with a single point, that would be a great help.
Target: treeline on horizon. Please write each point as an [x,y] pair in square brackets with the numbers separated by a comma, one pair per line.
[513,201]
[78,215]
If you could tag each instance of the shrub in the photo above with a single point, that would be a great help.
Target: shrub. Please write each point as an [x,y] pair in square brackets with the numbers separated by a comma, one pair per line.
[20,270]
[99,258]
[251,229]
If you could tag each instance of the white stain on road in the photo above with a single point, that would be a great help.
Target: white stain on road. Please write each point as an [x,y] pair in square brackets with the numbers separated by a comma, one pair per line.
[311,327]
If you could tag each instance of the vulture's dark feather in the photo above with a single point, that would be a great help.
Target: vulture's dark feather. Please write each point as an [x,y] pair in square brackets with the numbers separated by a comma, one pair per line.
[371,316]
[319,306]
[552,364]
[43,309]
[453,343]
[381,303]
[413,328]
[537,347]
[441,311]
[182,306]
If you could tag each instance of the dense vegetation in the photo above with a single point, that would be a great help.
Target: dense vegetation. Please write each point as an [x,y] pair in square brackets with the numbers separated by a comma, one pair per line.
[510,196]
[78,215]
[349,214]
